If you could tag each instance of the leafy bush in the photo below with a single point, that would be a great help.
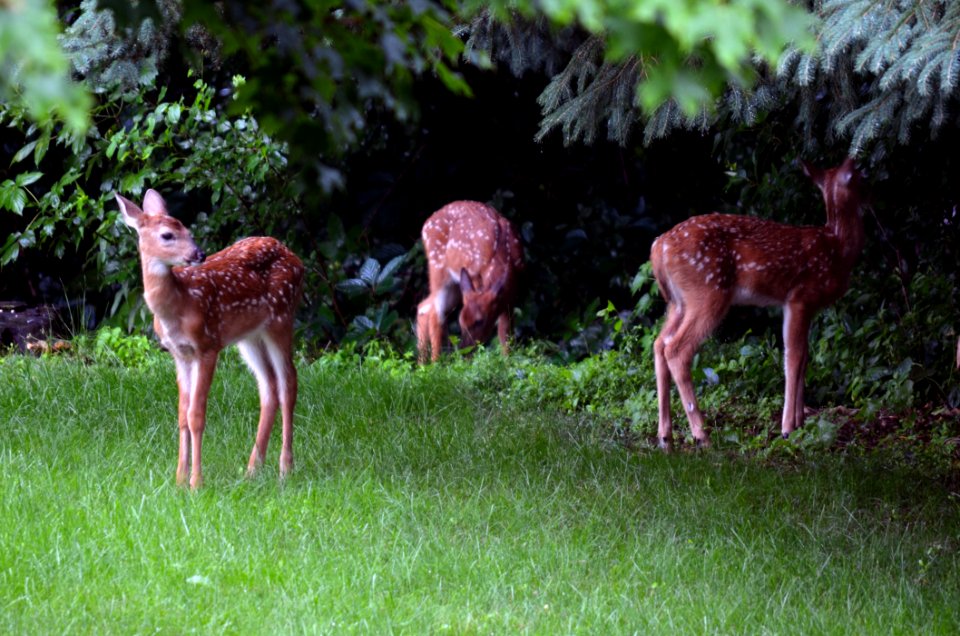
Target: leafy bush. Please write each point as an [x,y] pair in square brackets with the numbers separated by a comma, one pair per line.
[112,344]
[171,146]
[896,356]
[203,161]
[376,285]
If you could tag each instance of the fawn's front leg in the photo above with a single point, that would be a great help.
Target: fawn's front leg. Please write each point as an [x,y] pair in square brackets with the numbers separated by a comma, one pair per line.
[201,376]
[184,381]
[796,332]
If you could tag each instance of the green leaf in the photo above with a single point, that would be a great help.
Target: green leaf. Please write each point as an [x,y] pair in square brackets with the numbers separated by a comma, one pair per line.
[390,268]
[43,143]
[440,35]
[364,323]
[10,251]
[353,286]
[132,182]
[23,152]
[17,200]
[173,113]
[112,147]
[453,80]
[26,178]
[151,122]
[369,271]
[41,84]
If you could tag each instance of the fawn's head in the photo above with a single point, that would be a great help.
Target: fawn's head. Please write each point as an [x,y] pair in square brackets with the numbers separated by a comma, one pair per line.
[840,185]
[164,241]
[481,307]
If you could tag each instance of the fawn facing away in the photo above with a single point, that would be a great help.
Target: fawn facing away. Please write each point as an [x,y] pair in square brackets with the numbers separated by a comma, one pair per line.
[473,255]
[245,294]
[708,263]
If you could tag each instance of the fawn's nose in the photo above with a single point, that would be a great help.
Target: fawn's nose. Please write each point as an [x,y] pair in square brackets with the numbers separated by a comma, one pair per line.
[199,256]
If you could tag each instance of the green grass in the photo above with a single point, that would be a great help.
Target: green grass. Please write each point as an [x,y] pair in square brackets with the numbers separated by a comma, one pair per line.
[414,507]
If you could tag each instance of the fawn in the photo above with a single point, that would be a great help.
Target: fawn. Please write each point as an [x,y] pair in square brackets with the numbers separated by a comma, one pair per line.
[245,294]
[708,263]
[473,255]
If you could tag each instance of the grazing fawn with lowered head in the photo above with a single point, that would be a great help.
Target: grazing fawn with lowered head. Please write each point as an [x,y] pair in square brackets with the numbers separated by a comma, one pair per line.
[708,263]
[473,255]
[245,294]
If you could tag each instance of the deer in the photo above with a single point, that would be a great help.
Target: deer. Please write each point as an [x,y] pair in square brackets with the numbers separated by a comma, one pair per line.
[245,294]
[474,256]
[710,262]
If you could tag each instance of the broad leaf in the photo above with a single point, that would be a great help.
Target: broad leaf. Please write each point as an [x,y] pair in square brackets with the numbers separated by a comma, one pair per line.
[369,271]
[392,265]
[353,286]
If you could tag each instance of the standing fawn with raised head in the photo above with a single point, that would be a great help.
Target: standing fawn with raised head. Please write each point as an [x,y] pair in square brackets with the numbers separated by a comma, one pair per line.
[245,294]
[473,255]
[708,263]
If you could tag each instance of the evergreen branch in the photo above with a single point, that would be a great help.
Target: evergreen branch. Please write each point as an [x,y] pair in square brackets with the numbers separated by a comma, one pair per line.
[883,70]
[951,69]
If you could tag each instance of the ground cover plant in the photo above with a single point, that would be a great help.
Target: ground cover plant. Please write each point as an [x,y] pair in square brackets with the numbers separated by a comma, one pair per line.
[430,500]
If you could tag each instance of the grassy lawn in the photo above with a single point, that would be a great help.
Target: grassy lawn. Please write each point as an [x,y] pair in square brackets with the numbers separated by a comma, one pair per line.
[416,508]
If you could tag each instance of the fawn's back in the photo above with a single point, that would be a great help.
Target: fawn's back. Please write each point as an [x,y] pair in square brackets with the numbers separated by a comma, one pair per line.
[752,261]
[251,285]
[471,236]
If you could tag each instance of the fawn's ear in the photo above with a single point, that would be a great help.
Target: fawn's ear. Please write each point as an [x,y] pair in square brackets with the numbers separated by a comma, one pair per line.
[501,282]
[847,170]
[466,283]
[130,212]
[815,174]
[153,203]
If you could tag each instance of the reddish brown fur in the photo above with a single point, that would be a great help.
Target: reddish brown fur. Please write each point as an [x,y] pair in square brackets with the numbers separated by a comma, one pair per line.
[245,294]
[473,255]
[708,263]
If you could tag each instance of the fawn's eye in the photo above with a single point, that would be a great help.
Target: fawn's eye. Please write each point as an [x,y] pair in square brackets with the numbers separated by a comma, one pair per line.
[167,236]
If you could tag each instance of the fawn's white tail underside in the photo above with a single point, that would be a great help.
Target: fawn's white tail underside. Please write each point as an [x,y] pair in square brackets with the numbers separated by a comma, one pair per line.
[245,294]
[473,255]
[708,263]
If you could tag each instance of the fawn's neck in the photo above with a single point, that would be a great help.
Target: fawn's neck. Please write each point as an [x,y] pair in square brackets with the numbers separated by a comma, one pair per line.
[847,225]
[162,289]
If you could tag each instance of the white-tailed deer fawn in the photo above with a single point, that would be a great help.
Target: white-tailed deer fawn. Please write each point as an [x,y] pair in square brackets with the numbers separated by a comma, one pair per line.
[708,263]
[473,255]
[244,294]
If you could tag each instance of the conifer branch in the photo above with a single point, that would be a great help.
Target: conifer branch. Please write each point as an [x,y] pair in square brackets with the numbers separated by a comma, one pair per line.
[883,71]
